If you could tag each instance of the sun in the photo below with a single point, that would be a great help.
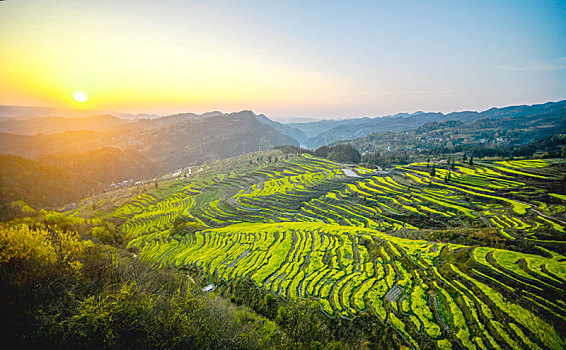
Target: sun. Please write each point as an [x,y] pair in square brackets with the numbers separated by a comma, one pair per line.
[80,96]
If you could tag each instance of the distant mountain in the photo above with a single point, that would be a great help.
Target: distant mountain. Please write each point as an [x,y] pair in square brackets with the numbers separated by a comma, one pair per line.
[312,129]
[66,166]
[365,126]
[172,142]
[210,138]
[330,131]
[497,135]
[289,120]
[53,125]
[288,130]
[175,118]
[27,112]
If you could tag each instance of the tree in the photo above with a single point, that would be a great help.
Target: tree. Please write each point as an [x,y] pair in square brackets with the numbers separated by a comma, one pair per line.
[433,171]
[464,158]
[447,177]
[344,153]
[321,152]
[471,160]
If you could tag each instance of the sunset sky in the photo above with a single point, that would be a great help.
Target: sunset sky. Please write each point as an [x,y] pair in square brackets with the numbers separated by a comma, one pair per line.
[322,59]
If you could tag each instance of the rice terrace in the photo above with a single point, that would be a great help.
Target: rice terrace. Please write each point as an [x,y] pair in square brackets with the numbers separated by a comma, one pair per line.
[379,242]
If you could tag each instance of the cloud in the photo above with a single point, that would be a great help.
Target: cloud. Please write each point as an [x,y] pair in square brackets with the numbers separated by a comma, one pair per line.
[560,64]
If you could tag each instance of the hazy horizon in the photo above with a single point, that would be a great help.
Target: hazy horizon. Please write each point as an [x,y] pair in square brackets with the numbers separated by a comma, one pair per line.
[284,119]
[284,60]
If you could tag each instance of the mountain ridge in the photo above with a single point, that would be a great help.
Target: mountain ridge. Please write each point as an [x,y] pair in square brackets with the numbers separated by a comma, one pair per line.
[327,132]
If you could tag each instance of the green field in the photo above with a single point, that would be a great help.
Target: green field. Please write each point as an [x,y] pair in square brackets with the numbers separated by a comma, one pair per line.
[474,262]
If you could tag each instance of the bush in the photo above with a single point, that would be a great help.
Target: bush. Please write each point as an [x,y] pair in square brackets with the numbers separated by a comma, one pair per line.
[62,291]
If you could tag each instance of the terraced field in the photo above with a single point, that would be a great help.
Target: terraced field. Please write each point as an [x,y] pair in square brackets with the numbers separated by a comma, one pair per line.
[378,242]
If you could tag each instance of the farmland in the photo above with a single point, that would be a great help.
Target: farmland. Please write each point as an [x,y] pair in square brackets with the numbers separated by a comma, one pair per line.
[463,256]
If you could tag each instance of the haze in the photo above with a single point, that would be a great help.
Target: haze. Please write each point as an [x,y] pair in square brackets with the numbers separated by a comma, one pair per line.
[285,59]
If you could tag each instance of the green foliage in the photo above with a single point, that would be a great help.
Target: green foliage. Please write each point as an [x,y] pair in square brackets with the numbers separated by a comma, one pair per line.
[57,180]
[59,290]
[343,153]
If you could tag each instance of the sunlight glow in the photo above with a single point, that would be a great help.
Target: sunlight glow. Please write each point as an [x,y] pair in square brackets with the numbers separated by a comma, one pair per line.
[80,96]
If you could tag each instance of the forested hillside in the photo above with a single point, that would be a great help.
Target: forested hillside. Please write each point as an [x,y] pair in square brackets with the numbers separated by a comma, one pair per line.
[38,184]
[53,181]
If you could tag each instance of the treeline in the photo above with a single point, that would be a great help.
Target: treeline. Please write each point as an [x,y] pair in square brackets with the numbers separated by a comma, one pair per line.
[549,147]
[343,153]
[385,159]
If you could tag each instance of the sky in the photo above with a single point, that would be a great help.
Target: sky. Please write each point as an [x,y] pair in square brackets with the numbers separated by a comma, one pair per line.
[320,59]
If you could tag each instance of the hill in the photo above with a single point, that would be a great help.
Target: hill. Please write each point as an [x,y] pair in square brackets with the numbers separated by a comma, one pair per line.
[499,135]
[330,131]
[53,181]
[105,165]
[434,254]
[38,184]
[290,131]
[200,140]
[171,142]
